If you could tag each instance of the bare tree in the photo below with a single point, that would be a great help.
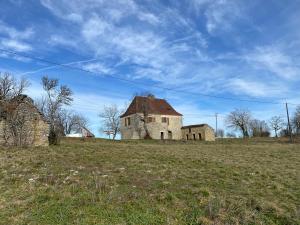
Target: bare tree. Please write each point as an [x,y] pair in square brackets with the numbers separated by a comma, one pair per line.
[56,97]
[276,123]
[239,120]
[16,129]
[296,121]
[41,104]
[145,111]
[259,128]
[110,119]
[137,125]
[72,122]
[284,132]
[10,87]
[69,121]
[142,119]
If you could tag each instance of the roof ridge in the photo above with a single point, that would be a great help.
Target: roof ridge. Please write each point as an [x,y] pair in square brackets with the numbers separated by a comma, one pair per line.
[155,106]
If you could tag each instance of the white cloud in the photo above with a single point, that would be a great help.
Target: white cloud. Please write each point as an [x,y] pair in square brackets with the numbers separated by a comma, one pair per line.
[14,33]
[74,17]
[15,39]
[220,15]
[125,33]
[255,88]
[98,68]
[62,40]
[148,17]
[15,45]
[95,28]
[136,45]
[275,61]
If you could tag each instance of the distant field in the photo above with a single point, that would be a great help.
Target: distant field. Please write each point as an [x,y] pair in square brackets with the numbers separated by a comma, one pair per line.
[151,182]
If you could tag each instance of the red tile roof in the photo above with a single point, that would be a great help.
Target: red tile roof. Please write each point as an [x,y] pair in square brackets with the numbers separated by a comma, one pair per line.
[154,106]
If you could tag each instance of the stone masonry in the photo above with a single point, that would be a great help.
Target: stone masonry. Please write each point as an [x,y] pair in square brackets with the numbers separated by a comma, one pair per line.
[198,132]
[22,124]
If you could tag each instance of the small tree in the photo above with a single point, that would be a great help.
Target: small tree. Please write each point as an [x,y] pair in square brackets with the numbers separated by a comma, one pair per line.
[239,120]
[110,119]
[56,97]
[276,123]
[10,87]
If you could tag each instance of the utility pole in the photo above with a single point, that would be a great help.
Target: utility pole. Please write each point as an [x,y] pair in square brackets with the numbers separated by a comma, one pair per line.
[288,119]
[216,124]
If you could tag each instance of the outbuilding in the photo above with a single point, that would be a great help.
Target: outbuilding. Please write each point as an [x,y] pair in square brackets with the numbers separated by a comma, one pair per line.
[198,132]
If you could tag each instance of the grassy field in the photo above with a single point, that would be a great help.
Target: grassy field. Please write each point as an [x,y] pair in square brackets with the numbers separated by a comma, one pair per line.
[105,182]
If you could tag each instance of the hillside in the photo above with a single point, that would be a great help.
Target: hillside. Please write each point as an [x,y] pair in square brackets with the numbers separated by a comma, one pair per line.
[105,182]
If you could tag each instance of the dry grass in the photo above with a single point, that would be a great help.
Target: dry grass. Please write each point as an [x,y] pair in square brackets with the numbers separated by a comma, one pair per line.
[149,182]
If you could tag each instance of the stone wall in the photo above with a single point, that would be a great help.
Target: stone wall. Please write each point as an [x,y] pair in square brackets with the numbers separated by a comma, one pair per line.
[24,126]
[157,129]
[205,133]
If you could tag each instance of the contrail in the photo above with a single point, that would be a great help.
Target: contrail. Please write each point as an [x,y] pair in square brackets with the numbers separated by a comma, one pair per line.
[51,67]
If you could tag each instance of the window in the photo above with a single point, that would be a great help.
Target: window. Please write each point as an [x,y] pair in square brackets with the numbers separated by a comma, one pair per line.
[127,121]
[151,120]
[165,120]
[190,130]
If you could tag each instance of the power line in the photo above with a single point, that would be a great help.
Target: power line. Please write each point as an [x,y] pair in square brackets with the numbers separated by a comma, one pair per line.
[135,82]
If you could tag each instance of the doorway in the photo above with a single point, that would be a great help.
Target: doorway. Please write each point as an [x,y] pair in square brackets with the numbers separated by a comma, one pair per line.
[170,135]
[200,137]
[194,136]
[162,135]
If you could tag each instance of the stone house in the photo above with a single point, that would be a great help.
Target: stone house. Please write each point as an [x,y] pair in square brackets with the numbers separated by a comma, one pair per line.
[22,124]
[149,117]
[156,118]
[198,132]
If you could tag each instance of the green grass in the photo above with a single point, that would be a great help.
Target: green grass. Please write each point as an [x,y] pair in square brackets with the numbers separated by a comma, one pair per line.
[151,182]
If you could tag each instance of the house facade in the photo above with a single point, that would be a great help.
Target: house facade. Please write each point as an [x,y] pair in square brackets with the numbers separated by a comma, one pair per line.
[149,117]
[22,124]
[198,132]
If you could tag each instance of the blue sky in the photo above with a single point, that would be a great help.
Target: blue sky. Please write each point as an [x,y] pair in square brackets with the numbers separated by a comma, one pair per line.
[228,48]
